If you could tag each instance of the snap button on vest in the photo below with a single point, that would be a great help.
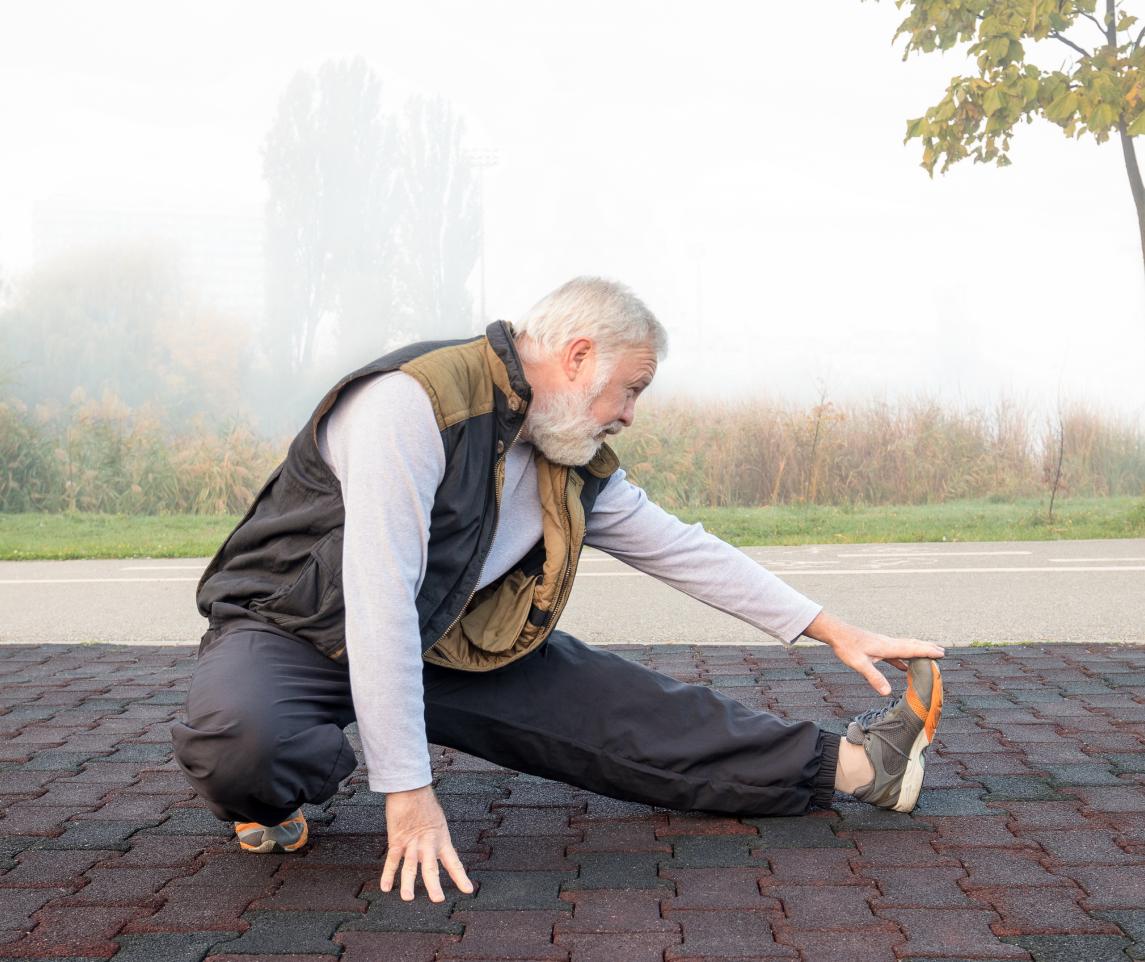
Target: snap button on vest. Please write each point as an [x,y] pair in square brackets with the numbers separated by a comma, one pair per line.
[514,404]
[500,447]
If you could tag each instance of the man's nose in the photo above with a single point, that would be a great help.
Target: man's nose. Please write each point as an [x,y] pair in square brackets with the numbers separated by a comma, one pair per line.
[628,415]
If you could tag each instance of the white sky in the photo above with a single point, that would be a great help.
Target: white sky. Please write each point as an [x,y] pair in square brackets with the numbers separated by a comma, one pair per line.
[741,165]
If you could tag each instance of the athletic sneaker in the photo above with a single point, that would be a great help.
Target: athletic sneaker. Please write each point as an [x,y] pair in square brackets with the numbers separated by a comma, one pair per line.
[288,836]
[895,738]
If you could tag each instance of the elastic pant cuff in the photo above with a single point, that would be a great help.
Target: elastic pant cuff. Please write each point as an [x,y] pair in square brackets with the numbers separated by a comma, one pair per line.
[823,788]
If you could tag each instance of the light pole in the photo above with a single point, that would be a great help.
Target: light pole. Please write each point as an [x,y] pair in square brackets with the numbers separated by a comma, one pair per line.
[482,158]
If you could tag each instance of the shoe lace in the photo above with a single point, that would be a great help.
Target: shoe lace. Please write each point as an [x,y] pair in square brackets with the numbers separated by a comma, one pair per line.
[867,720]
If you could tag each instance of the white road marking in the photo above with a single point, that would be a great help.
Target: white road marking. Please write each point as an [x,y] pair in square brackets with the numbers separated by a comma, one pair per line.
[638,574]
[1076,560]
[162,567]
[935,554]
[84,581]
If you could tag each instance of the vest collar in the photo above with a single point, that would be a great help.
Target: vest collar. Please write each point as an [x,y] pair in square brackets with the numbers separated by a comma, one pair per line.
[518,391]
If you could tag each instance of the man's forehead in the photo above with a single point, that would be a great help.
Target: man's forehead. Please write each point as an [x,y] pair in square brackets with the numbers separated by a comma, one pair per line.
[638,360]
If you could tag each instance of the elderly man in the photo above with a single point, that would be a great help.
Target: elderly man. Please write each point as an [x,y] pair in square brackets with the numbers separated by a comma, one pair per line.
[406,566]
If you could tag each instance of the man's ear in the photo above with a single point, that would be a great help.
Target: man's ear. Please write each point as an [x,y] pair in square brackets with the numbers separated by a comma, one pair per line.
[575,355]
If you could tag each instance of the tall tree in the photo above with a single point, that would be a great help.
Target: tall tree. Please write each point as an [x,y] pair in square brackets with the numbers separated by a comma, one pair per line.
[331,213]
[1099,90]
[441,218]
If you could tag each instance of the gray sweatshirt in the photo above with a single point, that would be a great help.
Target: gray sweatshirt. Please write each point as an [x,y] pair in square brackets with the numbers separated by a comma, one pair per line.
[381,440]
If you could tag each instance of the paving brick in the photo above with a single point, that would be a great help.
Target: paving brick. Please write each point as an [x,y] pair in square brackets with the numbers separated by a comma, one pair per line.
[17,906]
[72,932]
[1003,763]
[703,851]
[300,933]
[388,912]
[1009,787]
[960,932]
[145,809]
[1042,911]
[632,835]
[615,870]
[866,945]
[505,935]
[320,889]
[121,886]
[936,887]
[346,850]
[989,867]
[896,848]
[102,835]
[645,947]
[825,907]
[163,947]
[805,832]
[197,910]
[858,816]
[31,818]
[191,821]
[718,888]
[625,911]
[1105,888]
[168,852]
[270,958]
[814,865]
[547,822]
[682,824]
[1125,799]
[513,854]
[726,935]
[1037,816]
[951,801]
[518,890]
[1079,948]
[993,831]
[603,807]
[1083,846]
[390,946]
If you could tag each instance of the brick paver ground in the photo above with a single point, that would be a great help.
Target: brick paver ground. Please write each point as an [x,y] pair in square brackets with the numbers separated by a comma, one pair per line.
[1028,843]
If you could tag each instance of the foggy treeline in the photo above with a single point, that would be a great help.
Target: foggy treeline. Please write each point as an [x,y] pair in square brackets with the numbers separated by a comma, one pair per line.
[372,228]
[126,387]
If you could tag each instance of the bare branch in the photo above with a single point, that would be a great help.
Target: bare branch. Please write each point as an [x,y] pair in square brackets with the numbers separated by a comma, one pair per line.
[1070,43]
[1094,20]
[1137,42]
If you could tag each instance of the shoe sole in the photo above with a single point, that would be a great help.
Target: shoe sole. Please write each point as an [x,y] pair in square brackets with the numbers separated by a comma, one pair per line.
[916,763]
[270,845]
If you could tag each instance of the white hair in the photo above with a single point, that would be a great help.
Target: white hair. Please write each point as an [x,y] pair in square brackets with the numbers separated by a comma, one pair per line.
[603,310]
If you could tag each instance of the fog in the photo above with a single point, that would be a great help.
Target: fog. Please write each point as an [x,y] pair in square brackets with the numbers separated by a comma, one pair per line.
[741,166]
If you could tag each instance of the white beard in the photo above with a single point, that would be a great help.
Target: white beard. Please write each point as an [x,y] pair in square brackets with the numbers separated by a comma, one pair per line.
[562,427]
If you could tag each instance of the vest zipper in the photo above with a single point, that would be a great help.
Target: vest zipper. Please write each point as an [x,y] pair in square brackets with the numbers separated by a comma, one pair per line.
[496,520]
[562,595]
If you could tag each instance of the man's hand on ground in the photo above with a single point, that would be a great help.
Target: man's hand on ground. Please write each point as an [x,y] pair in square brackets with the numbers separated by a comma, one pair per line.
[415,825]
[860,649]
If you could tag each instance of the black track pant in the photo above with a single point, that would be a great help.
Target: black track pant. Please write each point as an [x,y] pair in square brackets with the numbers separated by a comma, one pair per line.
[264,716]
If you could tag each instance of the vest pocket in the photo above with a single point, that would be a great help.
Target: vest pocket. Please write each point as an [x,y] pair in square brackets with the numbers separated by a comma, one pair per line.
[494,622]
[309,606]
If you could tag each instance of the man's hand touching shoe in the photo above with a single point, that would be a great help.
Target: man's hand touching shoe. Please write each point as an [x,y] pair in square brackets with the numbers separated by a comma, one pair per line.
[418,835]
[860,649]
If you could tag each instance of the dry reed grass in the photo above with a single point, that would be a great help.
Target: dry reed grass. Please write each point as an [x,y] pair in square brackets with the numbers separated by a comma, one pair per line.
[100,455]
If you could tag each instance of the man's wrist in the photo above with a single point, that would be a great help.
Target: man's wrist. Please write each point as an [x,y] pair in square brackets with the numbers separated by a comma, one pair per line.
[827,628]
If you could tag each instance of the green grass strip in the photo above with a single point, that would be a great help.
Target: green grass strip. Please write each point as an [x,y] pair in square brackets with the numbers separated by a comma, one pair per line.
[80,535]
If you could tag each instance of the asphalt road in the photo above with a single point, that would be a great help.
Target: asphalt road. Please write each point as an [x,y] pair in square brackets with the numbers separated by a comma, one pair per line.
[955,594]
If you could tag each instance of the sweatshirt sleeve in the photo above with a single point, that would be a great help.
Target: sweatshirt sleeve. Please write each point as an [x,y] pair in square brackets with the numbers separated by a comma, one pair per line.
[385,449]
[627,525]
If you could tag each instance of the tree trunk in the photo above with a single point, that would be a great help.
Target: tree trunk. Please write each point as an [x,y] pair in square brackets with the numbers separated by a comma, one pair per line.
[1135,185]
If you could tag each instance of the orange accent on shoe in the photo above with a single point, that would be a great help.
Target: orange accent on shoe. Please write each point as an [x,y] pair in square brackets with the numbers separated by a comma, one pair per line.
[935,702]
[915,703]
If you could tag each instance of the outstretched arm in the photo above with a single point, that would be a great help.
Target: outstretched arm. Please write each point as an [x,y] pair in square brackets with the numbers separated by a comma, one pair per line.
[630,527]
